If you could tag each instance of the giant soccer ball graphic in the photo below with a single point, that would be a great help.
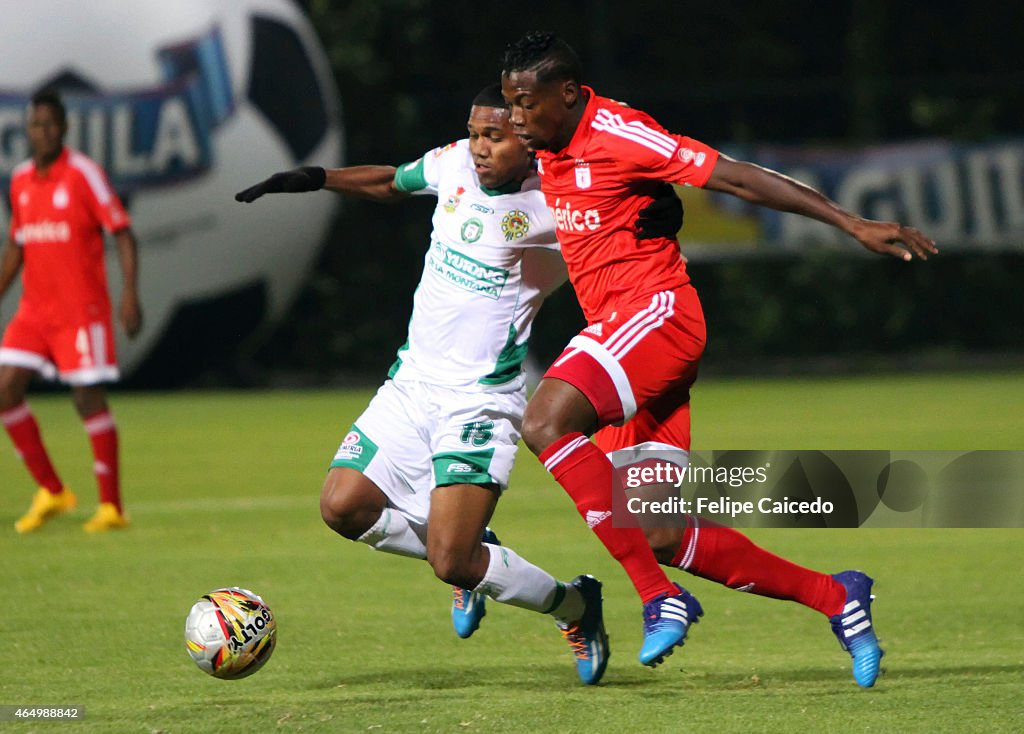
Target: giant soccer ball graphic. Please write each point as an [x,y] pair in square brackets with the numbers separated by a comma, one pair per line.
[184,103]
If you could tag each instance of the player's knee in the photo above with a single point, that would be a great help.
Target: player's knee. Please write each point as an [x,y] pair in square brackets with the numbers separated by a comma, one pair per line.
[11,394]
[452,567]
[664,542]
[346,515]
[8,399]
[89,402]
[540,429]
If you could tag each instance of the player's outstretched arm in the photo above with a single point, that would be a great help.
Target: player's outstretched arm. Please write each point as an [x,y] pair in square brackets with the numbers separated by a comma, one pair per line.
[10,264]
[367,182]
[772,189]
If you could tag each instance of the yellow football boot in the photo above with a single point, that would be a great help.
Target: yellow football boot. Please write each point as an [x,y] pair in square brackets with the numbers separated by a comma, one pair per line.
[45,505]
[107,517]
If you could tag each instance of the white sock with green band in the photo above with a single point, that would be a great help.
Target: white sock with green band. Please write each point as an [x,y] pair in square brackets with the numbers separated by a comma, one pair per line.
[510,579]
[393,534]
[569,608]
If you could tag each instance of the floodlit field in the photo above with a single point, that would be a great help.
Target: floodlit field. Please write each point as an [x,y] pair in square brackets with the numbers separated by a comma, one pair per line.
[222,490]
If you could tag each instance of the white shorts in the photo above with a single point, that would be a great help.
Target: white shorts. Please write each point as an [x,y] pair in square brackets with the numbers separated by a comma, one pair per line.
[413,437]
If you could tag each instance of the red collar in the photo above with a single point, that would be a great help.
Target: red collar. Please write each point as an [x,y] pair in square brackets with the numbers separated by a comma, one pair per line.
[579,137]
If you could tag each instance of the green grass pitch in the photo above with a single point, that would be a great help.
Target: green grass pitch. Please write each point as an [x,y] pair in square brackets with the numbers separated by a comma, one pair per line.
[222,489]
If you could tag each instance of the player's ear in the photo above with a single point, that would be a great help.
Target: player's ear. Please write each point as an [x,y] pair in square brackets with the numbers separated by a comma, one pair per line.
[570,93]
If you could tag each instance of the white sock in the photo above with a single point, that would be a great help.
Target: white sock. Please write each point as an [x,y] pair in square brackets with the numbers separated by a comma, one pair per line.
[510,579]
[393,534]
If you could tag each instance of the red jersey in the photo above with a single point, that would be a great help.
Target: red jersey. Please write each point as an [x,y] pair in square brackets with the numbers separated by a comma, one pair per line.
[597,185]
[58,219]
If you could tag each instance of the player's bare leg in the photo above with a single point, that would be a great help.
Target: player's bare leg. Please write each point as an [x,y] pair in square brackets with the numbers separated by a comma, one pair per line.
[14,382]
[353,506]
[91,404]
[557,422]
[459,515]
[52,498]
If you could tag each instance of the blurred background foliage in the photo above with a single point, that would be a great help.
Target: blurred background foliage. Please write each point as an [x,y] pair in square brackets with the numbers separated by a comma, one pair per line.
[851,72]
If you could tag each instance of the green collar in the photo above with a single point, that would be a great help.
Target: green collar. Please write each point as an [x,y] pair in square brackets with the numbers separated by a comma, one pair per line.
[510,188]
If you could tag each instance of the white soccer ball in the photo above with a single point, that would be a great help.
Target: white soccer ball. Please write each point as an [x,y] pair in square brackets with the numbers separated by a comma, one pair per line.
[184,103]
[230,633]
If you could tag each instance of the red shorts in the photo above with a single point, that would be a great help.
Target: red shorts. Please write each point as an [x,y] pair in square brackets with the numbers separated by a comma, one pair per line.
[78,350]
[636,369]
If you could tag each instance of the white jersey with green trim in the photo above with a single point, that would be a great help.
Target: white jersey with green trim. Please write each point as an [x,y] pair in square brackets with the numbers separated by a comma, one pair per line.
[493,257]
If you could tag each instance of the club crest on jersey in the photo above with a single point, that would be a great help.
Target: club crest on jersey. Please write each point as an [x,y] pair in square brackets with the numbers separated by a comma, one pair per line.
[582,175]
[471,230]
[453,201]
[515,225]
[60,198]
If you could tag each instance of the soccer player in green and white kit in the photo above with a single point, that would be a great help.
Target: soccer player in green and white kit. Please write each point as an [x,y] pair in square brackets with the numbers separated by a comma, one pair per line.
[420,471]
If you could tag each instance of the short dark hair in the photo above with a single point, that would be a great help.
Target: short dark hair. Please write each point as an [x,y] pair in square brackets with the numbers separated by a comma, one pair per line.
[52,98]
[545,53]
[490,96]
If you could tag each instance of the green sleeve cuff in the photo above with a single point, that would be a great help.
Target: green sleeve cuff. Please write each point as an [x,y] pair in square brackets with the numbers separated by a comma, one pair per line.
[409,177]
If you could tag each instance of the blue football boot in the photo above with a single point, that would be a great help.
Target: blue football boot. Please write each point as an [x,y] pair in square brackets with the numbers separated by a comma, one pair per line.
[853,628]
[586,636]
[667,619]
[469,607]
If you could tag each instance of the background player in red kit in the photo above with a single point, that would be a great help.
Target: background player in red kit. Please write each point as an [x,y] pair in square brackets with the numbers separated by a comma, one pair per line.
[61,202]
[629,372]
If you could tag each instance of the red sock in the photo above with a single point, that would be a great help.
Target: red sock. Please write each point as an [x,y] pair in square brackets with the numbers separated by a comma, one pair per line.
[28,443]
[724,555]
[587,475]
[103,435]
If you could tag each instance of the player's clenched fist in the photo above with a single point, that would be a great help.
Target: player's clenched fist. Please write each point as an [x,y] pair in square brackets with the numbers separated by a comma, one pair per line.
[307,178]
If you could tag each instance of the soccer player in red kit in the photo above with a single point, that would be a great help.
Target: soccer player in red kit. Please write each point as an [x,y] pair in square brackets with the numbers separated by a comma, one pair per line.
[61,202]
[627,376]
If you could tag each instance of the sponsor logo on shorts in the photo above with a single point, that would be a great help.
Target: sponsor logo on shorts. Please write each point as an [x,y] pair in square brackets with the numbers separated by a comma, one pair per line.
[350,448]
[457,467]
[349,452]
